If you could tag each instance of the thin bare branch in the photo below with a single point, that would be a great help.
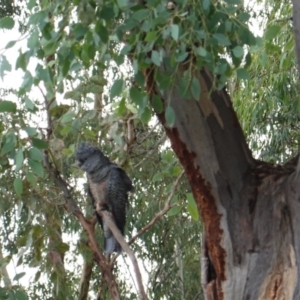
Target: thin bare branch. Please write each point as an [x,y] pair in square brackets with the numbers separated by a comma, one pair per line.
[148,134]
[108,220]
[161,213]
[162,139]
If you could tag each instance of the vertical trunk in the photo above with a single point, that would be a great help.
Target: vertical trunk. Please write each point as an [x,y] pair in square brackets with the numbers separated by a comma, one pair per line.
[249,208]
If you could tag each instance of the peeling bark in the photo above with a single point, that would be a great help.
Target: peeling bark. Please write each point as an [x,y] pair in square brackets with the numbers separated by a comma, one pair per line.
[249,208]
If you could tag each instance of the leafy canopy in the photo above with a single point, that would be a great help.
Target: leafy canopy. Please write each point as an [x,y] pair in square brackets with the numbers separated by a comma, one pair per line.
[84,65]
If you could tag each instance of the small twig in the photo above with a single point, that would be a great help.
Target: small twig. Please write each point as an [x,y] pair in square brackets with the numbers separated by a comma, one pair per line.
[130,273]
[148,134]
[108,220]
[163,137]
[161,213]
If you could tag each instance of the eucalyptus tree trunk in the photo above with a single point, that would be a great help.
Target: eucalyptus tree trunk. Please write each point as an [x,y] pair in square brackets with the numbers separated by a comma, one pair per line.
[250,209]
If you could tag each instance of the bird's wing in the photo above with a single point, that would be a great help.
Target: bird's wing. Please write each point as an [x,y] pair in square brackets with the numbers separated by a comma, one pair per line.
[118,198]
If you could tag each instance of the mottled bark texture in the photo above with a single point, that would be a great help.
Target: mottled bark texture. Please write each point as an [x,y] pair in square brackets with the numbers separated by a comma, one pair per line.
[250,209]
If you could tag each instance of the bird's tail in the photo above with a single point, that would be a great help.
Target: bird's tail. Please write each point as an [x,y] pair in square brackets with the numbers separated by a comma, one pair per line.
[111,245]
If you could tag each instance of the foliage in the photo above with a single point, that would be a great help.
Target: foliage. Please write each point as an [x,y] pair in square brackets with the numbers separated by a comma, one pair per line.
[64,99]
[83,65]
[268,104]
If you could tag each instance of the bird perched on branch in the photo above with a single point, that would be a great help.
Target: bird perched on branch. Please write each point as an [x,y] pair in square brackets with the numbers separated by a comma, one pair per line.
[108,187]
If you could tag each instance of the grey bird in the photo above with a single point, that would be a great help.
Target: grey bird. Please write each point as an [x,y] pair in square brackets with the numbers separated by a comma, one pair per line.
[108,186]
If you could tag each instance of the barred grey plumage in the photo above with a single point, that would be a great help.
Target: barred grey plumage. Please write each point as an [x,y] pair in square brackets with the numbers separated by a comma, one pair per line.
[109,186]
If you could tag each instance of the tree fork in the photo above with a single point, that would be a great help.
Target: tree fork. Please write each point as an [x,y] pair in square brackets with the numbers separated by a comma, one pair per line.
[249,229]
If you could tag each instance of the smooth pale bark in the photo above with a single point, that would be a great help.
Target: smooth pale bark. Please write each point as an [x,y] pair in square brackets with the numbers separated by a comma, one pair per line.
[250,209]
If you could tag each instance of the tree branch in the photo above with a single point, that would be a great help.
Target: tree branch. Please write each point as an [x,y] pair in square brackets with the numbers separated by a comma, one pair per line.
[162,139]
[85,279]
[161,213]
[88,226]
[108,220]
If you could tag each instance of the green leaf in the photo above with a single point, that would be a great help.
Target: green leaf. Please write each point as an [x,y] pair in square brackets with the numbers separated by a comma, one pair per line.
[33,40]
[19,158]
[11,295]
[168,156]
[140,15]
[175,210]
[121,107]
[244,17]
[196,88]
[107,13]
[30,131]
[263,58]
[206,4]
[4,66]
[155,57]
[272,32]
[201,51]
[21,62]
[35,154]
[131,108]
[10,44]
[36,167]
[7,23]
[146,115]
[31,178]
[151,36]
[62,247]
[192,207]
[175,32]
[8,146]
[18,186]
[31,4]
[238,51]
[8,106]
[20,295]
[79,31]
[136,96]
[19,276]
[157,104]
[29,104]
[68,117]
[182,57]
[122,3]
[126,49]
[116,88]
[242,74]
[170,116]
[38,143]
[157,177]
[222,39]
[102,32]
[233,1]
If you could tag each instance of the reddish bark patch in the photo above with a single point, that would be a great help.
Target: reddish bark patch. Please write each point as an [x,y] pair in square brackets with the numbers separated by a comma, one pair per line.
[202,194]
[205,202]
